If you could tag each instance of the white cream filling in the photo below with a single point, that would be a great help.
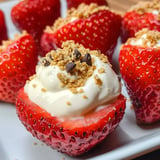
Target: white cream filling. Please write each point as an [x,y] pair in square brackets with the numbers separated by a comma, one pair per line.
[143,40]
[55,99]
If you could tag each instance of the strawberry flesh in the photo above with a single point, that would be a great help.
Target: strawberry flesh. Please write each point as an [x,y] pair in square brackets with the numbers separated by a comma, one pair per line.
[70,136]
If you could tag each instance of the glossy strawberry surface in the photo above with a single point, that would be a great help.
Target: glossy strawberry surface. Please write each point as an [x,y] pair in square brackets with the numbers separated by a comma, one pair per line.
[3,27]
[140,69]
[133,22]
[99,31]
[73,136]
[17,63]
[33,16]
[75,3]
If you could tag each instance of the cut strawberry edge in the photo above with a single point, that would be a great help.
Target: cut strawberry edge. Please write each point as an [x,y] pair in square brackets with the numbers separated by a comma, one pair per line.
[70,136]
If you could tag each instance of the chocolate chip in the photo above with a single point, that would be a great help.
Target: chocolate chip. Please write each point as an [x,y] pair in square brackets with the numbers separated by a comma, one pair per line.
[45,62]
[70,66]
[77,53]
[87,59]
[50,56]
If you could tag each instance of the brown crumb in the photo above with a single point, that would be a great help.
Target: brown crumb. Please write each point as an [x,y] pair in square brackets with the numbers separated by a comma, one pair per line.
[81,91]
[80,70]
[43,90]
[98,81]
[151,37]
[101,70]
[68,103]
[34,85]
[85,97]
[83,11]
[145,7]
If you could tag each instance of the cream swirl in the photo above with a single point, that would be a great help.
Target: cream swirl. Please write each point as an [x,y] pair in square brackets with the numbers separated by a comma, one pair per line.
[47,91]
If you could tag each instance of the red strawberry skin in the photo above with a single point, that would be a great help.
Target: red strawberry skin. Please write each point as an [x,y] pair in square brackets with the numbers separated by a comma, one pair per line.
[140,70]
[3,28]
[76,3]
[17,63]
[133,22]
[100,31]
[73,137]
[33,16]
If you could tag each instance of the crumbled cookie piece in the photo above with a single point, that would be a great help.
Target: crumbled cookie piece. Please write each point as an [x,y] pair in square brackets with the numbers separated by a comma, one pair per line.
[143,7]
[98,81]
[83,11]
[68,103]
[77,61]
[43,90]
[101,70]
[34,85]
[148,37]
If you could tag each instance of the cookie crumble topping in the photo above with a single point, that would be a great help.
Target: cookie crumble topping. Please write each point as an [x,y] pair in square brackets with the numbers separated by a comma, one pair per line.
[78,63]
[148,36]
[143,7]
[83,11]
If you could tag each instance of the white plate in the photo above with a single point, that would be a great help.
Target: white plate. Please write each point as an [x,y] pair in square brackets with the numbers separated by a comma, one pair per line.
[127,141]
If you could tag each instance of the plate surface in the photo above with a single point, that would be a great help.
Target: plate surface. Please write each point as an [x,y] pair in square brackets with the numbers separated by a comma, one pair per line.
[127,141]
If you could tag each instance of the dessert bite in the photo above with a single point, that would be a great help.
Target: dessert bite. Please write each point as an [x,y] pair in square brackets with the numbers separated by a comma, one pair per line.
[73,101]
[95,27]
[76,3]
[34,16]
[140,69]
[18,59]
[142,15]
[3,28]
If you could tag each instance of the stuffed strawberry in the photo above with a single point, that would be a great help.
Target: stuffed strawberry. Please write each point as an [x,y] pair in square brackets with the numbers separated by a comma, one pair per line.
[96,27]
[3,29]
[142,15]
[33,16]
[140,68]
[76,3]
[58,105]
[18,59]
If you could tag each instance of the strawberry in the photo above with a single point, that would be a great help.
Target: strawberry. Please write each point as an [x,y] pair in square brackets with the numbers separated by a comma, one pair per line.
[18,59]
[142,15]
[76,3]
[3,29]
[94,27]
[33,16]
[70,136]
[140,70]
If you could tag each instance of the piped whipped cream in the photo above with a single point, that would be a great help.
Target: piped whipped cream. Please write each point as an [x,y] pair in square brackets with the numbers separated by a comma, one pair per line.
[146,38]
[72,81]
